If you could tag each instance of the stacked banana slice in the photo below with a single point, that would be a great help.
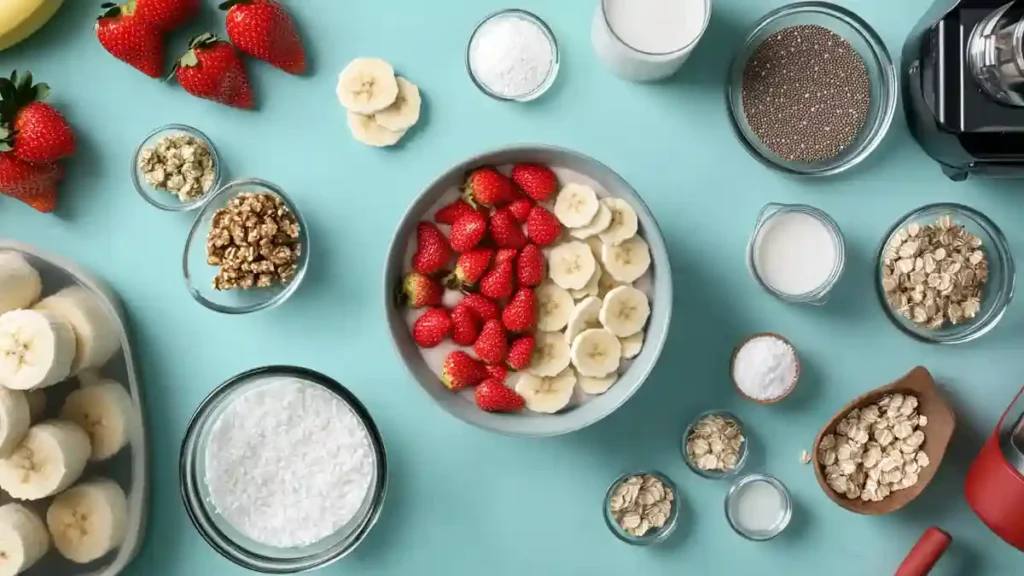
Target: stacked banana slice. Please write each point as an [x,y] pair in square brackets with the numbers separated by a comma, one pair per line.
[382,107]
[590,316]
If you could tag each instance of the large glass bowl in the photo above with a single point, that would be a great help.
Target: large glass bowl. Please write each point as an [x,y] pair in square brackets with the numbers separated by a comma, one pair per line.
[877,61]
[996,293]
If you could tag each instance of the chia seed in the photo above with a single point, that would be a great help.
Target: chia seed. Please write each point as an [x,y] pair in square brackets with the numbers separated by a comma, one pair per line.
[806,93]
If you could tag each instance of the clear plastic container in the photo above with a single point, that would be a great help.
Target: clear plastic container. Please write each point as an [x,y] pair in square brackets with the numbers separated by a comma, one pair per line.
[130,467]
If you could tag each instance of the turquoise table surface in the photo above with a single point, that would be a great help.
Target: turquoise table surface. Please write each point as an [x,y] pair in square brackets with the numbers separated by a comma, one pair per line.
[463,501]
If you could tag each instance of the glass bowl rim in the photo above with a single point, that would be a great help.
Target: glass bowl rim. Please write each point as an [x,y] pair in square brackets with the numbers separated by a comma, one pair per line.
[778,485]
[545,29]
[200,515]
[655,537]
[141,187]
[677,51]
[744,452]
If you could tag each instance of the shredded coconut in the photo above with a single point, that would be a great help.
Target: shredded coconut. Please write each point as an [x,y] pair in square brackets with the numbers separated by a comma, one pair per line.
[765,368]
[511,56]
[288,463]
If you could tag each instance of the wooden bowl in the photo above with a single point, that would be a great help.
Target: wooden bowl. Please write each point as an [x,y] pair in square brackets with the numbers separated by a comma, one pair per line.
[732,365]
[938,432]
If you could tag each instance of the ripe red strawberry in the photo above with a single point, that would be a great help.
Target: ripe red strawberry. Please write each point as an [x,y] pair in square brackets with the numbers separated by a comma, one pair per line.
[166,15]
[212,69]
[418,291]
[482,307]
[542,227]
[498,372]
[33,184]
[498,284]
[504,255]
[493,396]
[432,250]
[431,328]
[35,131]
[538,181]
[470,268]
[461,370]
[491,345]
[488,187]
[450,213]
[505,230]
[530,266]
[131,40]
[520,208]
[521,313]
[465,325]
[468,231]
[520,352]
[264,30]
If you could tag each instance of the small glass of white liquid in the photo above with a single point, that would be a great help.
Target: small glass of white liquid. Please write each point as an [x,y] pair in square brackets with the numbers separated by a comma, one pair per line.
[758,507]
[648,40]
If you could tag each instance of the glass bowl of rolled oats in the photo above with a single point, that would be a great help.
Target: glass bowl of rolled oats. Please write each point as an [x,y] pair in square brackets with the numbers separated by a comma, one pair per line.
[714,445]
[642,508]
[176,168]
[946,274]
[248,249]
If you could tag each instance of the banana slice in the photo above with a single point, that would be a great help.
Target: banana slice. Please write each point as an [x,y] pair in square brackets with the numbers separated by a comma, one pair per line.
[367,86]
[596,352]
[631,345]
[98,335]
[20,284]
[591,288]
[15,418]
[50,458]
[627,261]
[366,131]
[576,206]
[36,404]
[570,265]
[625,311]
[584,317]
[405,112]
[601,222]
[104,410]
[89,520]
[624,222]
[23,539]
[595,386]
[550,354]
[547,395]
[554,306]
[36,349]
[606,284]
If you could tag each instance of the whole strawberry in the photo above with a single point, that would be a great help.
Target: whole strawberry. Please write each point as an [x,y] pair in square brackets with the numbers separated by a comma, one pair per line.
[530,266]
[468,231]
[537,181]
[498,284]
[212,69]
[504,255]
[33,184]
[521,313]
[419,291]
[505,230]
[542,227]
[166,15]
[452,212]
[432,250]
[131,40]
[491,345]
[488,187]
[520,352]
[493,396]
[470,268]
[520,208]
[431,328]
[483,308]
[264,30]
[465,325]
[498,372]
[33,130]
[461,370]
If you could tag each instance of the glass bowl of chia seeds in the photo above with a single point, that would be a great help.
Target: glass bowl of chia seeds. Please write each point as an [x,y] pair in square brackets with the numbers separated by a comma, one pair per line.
[176,168]
[282,470]
[812,91]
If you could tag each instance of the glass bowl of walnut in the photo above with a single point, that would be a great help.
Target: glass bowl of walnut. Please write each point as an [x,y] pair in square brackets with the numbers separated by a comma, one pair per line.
[176,168]
[945,274]
[642,508]
[247,250]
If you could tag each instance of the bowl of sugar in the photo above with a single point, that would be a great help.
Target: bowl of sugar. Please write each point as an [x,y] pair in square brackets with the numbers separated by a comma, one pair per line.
[765,368]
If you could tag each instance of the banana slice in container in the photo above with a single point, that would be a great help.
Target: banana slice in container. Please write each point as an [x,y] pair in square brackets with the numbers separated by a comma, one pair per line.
[37,349]
[23,539]
[20,284]
[15,418]
[585,315]
[49,459]
[624,223]
[554,307]
[97,334]
[596,353]
[104,410]
[596,386]
[627,261]
[576,205]
[550,354]
[632,345]
[89,520]
[547,394]
[625,311]
[571,265]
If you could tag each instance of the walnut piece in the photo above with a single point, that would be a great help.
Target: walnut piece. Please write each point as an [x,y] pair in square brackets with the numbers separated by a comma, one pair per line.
[255,242]
[180,164]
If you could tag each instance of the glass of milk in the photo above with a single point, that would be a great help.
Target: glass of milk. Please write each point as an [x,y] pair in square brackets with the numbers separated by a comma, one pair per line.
[648,40]
[758,507]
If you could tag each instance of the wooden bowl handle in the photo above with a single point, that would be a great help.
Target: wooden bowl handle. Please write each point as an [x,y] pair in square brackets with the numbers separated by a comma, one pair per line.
[925,553]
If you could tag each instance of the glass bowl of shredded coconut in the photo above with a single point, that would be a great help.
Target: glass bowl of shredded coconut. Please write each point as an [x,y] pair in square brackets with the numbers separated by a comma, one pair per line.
[282,470]
[512,55]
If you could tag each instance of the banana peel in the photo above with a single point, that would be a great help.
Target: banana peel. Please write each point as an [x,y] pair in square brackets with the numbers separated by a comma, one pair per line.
[19,19]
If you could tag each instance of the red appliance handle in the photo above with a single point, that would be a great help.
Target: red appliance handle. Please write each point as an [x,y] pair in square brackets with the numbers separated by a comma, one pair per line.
[925,553]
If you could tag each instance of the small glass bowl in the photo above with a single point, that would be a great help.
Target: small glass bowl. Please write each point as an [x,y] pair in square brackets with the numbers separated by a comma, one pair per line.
[787,502]
[228,541]
[163,199]
[656,536]
[877,61]
[530,18]
[199,275]
[996,293]
[744,447]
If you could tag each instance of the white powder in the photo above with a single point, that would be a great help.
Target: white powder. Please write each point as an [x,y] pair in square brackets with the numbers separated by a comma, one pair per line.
[288,463]
[795,253]
[765,368]
[511,56]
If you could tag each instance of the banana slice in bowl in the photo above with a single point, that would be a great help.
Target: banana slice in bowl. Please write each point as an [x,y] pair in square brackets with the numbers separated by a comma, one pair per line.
[49,459]
[89,520]
[104,410]
[23,538]
[37,349]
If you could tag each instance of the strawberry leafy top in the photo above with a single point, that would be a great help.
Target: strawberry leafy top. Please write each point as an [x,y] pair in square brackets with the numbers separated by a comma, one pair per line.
[229,4]
[16,92]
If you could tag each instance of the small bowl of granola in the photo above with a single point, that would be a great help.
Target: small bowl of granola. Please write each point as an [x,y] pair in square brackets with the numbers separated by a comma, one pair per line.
[247,250]
[642,508]
[714,445]
[176,168]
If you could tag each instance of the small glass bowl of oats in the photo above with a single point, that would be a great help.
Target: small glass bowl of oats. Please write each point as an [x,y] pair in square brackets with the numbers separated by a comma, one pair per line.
[642,508]
[176,168]
[248,249]
[715,445]
[945,274]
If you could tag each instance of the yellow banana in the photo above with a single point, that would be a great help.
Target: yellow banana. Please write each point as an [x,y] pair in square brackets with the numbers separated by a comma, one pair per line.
[19,19]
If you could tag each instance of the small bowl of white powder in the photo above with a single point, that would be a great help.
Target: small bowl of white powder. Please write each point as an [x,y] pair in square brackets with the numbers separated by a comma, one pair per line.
[282,470]
[512,56]
[765,368]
